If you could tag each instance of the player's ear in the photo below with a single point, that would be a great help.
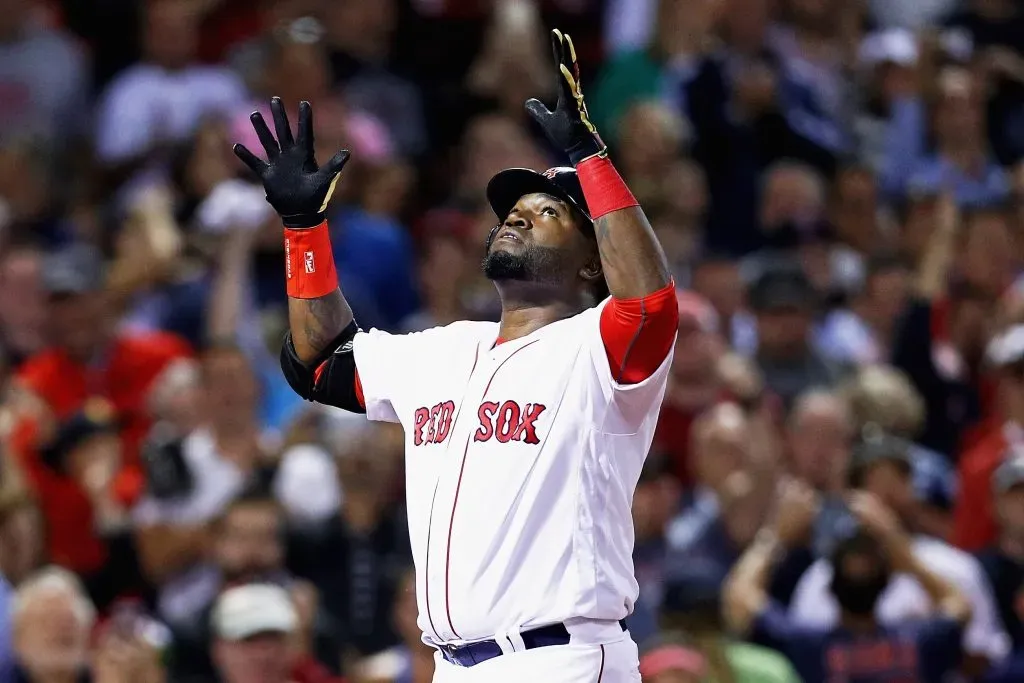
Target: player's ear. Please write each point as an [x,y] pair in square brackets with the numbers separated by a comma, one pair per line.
[592,270]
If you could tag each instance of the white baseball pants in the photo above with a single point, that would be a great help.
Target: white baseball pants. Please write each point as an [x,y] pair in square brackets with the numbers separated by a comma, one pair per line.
[614,662]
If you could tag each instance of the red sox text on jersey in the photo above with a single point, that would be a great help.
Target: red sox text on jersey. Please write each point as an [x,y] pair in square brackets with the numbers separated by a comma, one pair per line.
[504,422]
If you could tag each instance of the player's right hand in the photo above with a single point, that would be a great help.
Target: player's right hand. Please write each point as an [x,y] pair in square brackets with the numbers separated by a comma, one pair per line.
[297,188]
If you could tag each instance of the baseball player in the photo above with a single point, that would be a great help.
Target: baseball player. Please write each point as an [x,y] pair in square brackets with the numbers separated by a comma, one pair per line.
[524,438]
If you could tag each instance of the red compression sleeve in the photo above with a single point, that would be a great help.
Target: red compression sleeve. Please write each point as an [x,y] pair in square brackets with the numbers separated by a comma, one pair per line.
[603,187]
[638,333]
[309,262]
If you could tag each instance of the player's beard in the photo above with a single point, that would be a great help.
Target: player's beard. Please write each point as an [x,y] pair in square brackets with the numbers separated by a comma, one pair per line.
[532,264]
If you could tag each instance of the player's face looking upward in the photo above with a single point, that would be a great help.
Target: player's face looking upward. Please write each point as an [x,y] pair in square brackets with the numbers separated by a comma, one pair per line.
[541,241]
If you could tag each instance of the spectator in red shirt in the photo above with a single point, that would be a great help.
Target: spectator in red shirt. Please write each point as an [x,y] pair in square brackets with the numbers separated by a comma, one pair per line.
[973,524]
[88,359]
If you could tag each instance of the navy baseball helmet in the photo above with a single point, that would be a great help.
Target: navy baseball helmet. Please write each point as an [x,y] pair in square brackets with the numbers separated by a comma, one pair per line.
[508,186]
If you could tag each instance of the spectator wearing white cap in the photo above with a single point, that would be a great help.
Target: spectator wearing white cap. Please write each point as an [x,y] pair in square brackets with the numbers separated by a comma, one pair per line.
[891,125]
[247,545]
[253,625]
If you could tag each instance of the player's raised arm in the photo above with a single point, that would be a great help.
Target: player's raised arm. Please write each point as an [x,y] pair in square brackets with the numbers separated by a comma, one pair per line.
[632,259]
[638,326]
[320,320]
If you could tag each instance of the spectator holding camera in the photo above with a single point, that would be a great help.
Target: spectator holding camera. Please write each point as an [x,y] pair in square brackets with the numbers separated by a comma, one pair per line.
[858,647]
[1003,561]
[192,480]
[881,466]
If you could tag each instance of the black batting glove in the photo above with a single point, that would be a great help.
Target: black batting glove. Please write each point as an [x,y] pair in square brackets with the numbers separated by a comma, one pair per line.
[568,126]
[296,187]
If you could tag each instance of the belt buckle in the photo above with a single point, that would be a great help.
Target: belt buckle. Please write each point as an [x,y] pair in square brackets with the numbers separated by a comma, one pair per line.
[450,650]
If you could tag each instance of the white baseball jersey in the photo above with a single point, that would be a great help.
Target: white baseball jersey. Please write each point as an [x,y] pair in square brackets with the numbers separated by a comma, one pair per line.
[521,462]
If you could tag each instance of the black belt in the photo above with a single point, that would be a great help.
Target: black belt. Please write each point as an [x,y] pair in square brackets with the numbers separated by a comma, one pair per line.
[471,654]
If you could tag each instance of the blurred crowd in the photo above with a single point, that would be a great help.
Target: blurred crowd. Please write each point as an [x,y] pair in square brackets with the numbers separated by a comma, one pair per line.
[836,489]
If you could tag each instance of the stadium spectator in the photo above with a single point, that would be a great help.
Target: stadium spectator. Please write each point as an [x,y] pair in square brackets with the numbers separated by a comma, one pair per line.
[161,101]
[22,535]
[81,330]
[246,544]
[254,626]
[974,526]
[784,303]
[881,397]
[22,304]
[194,477]
[862,333]
[694,384]
[44,77]
[719,279]
[1003,562]
[730,497]
[359,38]
[925,650]
[354,558]
[962,162]
[819,434]
[51,620]
[881,466]
[950,317]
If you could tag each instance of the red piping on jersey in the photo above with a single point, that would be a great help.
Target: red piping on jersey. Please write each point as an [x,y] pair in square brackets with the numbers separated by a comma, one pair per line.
[426,572]
[430,521]
[448,553]
[600,672]
[455,500]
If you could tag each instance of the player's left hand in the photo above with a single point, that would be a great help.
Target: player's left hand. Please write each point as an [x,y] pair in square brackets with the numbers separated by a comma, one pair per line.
[568,126]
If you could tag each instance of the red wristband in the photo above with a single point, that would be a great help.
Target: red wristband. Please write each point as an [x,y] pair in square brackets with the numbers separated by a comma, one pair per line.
[603,187]
[309,262]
